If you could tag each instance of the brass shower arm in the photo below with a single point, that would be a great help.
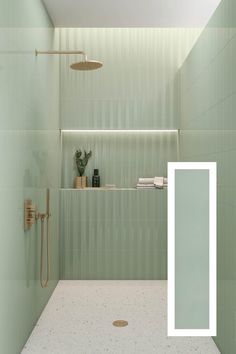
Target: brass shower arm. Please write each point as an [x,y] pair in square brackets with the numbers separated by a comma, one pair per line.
[82,65]
[61,52]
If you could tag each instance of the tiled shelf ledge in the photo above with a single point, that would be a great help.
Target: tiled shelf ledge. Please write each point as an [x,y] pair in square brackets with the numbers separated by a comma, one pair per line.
[110,189]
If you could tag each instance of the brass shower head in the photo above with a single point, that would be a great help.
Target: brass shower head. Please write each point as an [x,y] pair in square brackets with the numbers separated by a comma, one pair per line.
[86,65]
[82,65]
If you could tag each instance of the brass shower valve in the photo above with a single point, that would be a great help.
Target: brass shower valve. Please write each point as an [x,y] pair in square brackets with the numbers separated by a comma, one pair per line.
[42,216]
[30,212]
[32,215]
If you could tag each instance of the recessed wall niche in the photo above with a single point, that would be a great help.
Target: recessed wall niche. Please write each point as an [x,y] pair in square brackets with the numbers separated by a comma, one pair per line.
[121,157]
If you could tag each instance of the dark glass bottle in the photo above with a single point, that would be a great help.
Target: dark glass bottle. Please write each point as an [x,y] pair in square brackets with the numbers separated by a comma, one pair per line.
[96,179]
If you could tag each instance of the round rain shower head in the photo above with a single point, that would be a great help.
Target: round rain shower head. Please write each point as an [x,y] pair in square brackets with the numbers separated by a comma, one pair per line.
[82,65]
[86,65]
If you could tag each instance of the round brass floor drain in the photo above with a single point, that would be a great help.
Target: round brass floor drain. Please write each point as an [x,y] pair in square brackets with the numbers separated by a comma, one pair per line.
[120,323]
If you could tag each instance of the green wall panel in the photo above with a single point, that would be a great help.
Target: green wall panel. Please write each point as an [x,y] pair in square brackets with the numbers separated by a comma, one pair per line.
[220,146]
[29,158]
[138,86]
[29,85]
[113,234]
[24,13]
[208,133]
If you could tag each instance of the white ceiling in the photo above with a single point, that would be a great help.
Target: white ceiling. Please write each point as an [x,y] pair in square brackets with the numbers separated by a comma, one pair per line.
[131,13]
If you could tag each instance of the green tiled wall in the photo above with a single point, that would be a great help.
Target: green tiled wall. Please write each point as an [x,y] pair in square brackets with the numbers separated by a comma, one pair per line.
[118,234]
[137,88]
[208,133]
[29,155]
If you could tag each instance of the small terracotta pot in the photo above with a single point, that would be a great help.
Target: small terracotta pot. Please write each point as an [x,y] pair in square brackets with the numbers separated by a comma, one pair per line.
[81,182]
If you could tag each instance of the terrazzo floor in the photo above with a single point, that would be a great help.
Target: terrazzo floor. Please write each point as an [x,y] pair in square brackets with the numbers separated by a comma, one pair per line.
[78,320]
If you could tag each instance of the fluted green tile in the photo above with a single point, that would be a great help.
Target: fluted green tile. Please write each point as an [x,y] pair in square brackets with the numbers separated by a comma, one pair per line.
[138,86]
[118,265]
[123,236]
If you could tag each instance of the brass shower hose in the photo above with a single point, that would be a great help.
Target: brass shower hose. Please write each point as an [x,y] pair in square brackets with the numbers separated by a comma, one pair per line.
[44,283]
[31,216]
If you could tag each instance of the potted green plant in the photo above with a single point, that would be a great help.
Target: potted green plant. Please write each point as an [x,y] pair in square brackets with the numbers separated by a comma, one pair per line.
[81,163]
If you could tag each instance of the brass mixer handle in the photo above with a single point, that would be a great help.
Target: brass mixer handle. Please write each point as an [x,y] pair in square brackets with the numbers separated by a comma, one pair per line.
[30,221]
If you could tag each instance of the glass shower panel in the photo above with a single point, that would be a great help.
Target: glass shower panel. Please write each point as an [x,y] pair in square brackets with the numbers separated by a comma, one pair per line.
[192,248]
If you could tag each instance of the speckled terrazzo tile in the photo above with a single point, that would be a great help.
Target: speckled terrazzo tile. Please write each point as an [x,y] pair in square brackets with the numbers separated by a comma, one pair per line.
[78,320]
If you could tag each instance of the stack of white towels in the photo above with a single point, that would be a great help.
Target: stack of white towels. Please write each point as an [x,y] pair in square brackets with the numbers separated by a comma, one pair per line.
[151,183]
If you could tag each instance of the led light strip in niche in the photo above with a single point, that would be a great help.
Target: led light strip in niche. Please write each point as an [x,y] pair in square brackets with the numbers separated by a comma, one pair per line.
[119,131]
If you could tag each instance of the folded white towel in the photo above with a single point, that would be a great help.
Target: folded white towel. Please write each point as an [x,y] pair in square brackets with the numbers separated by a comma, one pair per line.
[158,181]
[146,180]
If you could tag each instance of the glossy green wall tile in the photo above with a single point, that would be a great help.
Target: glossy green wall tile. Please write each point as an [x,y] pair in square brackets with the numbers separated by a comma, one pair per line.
[24,13]
[29,85]
[208,133]
[120,157]
[29,158]
[220,146]
[138,86]
[117,234]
